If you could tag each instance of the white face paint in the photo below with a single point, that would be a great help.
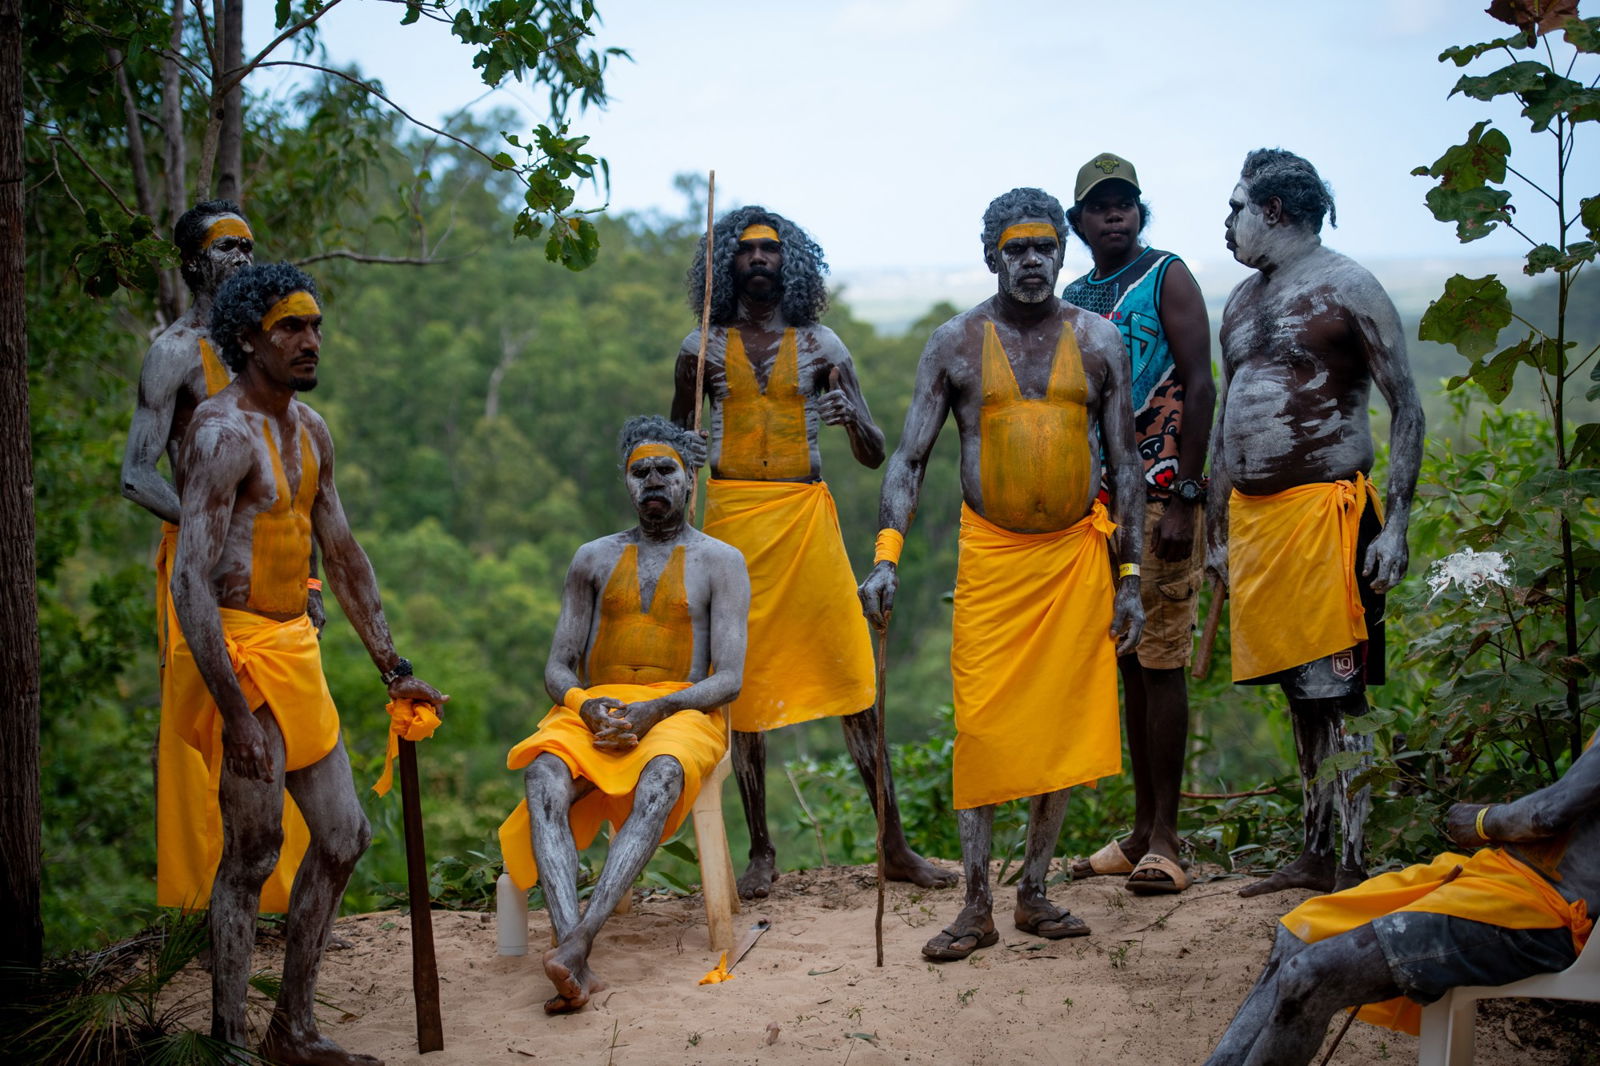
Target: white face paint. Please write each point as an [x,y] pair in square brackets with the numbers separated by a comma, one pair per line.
[1246,230]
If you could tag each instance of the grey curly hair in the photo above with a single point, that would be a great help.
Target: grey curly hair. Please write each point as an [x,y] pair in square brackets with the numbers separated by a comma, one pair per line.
[1022,203]
[805,295]
[1305,197]
[654,428]
[244,298]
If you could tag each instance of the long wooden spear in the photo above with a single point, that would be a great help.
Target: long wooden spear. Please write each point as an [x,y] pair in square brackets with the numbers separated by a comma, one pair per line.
[424,968]
[883,772]
[705,317]
[1208,637]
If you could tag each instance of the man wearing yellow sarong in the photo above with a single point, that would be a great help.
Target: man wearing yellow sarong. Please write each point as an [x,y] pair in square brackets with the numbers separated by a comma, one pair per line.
[1034,384]
[1293,526]
[649,647]
[774,375]
[1520,906]
[180,370]
[246,690]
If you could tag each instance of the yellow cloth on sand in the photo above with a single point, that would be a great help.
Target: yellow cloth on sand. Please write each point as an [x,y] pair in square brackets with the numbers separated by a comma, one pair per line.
[1032,662]
[278,664]
[696,739]
[1293,596]
[1492,887]
[809,654]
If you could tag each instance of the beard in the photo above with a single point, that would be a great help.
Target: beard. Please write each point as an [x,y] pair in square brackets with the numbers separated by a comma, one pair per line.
[302,384]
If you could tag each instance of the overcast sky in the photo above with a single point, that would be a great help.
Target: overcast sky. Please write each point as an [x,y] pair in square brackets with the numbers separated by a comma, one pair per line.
[885,126]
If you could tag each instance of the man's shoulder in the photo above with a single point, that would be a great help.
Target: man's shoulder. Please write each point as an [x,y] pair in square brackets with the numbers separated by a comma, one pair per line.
[176,348]
[601,553]
[714,550]
[1091,327]
[1343,275]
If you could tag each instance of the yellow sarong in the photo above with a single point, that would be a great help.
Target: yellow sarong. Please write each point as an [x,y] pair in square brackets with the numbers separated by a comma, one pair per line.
[1493,887]
[695,738]
[278,664]
[1033,663]
[809,655]
[1293,596]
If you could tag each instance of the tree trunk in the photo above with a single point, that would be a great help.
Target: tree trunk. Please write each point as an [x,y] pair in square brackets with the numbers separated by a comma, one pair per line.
[174,155]
[21,934]
[230,147]
[138,162]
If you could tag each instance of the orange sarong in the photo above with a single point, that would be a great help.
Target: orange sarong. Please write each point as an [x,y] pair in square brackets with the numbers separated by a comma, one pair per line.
[695,738]
[1293,596]
[1493,887]
[278,664]
[1033,663]
[809,652]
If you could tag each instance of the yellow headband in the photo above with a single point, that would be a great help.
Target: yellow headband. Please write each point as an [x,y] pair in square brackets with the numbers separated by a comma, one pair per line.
[759,233]
[1027,229]
[227,226]
[649,450]
[300,303]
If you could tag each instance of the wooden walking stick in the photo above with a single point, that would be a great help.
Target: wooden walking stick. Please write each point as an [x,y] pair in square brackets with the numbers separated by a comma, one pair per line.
[883,772]
[424,967]
[705,319]
[1208,636]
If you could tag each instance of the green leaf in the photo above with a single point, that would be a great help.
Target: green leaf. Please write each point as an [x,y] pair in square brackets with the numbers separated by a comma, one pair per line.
[1586,444]
[1469,315]
[503,161]
[1521,77]
[1495,377]
[413,12]
[1475,212]
[1560,96]
[680,849]
[280,14]
[1462,54]
[1549,257]
[1594,376]
[1560,490]
[1481,157]
[1589,215]
[1583,34]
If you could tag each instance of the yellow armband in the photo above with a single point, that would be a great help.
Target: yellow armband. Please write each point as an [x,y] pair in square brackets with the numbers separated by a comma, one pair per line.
[887,547]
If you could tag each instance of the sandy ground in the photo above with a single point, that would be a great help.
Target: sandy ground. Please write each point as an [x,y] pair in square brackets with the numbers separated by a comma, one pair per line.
[1156,982]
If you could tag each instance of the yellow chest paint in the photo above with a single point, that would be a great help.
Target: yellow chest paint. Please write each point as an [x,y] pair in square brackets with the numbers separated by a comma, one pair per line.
[639,647]
[280,545]
[1034,453]
[763,431]
[217,376]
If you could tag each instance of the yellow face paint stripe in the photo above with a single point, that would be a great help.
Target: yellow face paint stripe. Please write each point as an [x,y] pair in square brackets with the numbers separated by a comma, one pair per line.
[1027,229]
[650,450]
[227,226]
[759,233]
[300,303]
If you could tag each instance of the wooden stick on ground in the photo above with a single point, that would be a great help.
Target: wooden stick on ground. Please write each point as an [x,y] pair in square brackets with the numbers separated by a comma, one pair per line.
[1208,637]
[883,772]
[424,968]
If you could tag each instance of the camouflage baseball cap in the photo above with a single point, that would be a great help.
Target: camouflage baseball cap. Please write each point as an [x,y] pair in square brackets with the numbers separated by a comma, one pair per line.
[1104,167]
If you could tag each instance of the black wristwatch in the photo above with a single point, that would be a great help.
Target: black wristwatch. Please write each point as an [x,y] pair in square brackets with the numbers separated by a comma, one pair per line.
[1189,491]
[401,668]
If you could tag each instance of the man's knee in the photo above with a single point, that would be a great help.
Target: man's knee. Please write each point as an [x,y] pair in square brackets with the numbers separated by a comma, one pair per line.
[251,851]
[347,840]
[660,784]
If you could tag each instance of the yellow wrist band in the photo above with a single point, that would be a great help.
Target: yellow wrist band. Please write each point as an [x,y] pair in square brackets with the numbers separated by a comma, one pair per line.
[887,547]
[1128,570]
[1477,824]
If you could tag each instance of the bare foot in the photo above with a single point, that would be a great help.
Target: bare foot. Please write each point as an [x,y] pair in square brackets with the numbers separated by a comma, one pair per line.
[757,879]
[1308,871]
[907,865]
[314,1050]
[567,966]
[1348,877]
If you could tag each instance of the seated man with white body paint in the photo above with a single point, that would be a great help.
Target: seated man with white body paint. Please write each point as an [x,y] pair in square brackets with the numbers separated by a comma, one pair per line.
[1293,524]
[648,648]
[1519,906]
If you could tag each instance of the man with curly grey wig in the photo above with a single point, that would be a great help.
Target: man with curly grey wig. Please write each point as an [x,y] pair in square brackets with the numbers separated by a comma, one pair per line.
[255,475]
[649,646]
[774,375]
[1293,525]
[1035,383]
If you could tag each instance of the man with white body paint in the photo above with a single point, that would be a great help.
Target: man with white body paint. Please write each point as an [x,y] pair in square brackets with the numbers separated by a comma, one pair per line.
[256,479]
[1294,527]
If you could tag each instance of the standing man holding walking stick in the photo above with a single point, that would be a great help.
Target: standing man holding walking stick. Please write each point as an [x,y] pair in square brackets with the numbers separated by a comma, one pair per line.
[1033,383]
[1152,299]
[774,376]
[256,478]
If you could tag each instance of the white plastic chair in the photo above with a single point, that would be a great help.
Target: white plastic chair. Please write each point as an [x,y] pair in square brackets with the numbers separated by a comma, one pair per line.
[1447,1026]
[716,875]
